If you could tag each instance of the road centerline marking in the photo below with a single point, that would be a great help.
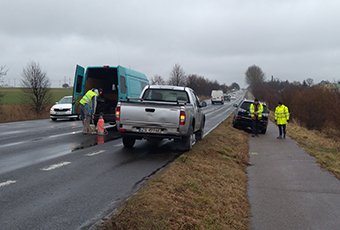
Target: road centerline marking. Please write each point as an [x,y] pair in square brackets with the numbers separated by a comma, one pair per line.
[95,153]
[55,166]
[6,183]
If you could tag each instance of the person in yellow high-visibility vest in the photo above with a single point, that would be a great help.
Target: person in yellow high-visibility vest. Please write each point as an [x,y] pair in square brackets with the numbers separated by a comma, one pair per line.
[281,119]
[256,110]
[88,105]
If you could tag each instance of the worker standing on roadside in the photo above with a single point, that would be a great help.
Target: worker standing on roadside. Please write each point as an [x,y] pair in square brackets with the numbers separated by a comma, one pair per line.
[256,110]
[281,119]
[88,106]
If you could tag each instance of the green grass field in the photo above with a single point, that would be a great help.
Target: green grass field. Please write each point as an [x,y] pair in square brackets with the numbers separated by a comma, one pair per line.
[14,96]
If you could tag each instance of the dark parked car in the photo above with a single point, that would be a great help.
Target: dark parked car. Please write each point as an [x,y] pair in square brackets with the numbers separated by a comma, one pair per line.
[242,117]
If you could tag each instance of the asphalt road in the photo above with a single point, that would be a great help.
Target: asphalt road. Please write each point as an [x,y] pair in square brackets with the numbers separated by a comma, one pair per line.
[54,177]
[288,189]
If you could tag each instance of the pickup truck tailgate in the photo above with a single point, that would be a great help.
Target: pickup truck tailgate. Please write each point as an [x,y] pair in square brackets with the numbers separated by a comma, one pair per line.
[147,115]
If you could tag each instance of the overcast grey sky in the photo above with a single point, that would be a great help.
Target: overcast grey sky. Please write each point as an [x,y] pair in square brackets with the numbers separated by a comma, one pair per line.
[219,39]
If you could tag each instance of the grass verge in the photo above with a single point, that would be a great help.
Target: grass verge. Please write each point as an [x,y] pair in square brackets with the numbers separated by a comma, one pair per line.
[13,108]
[10,113]
[326,150]
[16,95]
[205,188]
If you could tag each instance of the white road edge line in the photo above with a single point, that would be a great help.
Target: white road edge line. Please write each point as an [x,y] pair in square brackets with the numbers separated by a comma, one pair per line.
[95,153]
[3,184]
[55,166]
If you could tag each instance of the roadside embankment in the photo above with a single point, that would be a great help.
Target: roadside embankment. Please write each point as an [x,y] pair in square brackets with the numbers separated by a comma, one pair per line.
[205,188]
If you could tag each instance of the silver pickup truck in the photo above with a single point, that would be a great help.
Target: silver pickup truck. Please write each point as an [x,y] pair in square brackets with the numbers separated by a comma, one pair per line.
[162,112]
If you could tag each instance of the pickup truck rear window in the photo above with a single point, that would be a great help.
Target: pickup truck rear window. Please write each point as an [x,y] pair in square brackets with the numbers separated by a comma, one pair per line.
[165,95]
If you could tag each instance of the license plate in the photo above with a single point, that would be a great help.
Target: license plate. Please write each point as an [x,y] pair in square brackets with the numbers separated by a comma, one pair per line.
[150,130]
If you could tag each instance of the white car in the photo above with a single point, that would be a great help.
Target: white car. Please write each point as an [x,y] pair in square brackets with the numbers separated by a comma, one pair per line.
[63,109]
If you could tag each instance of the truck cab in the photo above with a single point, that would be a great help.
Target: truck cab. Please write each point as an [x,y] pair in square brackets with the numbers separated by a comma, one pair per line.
[118,83]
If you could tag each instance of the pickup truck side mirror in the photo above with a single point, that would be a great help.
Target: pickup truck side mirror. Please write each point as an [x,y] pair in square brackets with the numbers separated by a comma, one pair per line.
[203,104]
[235,105]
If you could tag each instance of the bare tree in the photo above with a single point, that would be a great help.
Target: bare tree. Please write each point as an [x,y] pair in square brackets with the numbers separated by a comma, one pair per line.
[177,76]
[36,86]
[234,85]
[254,75]
[3,72]
[309,82]
[157,80]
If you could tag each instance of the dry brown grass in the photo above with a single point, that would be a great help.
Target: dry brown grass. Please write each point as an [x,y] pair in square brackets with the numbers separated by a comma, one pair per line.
[19,113]
[326,150]
[205,188]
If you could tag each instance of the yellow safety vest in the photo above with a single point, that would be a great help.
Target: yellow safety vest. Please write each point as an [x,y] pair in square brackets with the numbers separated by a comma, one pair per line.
[259,111]
[87,98]
[281,114]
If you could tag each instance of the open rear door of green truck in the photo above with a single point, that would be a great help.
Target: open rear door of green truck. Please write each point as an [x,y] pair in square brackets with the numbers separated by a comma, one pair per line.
[78,88]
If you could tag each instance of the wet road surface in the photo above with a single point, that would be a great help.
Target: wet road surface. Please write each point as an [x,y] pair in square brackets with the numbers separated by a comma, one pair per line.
[54,177]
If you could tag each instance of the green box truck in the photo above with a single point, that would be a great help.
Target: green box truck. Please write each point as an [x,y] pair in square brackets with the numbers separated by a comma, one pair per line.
[118,84]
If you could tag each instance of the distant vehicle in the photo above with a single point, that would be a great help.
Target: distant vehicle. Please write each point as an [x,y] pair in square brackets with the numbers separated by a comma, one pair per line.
[63,109]
[242,118]
[226,97]
[118,83]
[162,112]
[232,97]
[217,96]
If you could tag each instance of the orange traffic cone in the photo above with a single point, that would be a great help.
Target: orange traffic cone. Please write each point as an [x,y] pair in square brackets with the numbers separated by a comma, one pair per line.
[100,139]
[100,126]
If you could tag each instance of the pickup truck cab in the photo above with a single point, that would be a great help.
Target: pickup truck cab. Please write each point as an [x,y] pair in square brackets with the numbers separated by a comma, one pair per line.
[161,112]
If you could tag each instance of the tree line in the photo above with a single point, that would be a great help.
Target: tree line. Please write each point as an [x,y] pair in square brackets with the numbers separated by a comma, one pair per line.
[201,85]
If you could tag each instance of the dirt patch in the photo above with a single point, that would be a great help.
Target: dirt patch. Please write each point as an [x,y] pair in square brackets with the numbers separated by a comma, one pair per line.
[205,188]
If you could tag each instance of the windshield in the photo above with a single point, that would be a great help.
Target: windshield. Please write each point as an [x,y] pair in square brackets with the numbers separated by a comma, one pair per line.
[169,95]
[65,100]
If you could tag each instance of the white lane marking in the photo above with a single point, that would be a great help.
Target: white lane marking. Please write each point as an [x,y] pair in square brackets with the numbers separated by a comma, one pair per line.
[227,113]
[28,141]
[55,166]
[3,184]
[13,143]
[64,134]
[95,153]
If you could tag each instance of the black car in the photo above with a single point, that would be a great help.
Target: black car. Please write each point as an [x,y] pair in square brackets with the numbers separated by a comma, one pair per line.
[242,118]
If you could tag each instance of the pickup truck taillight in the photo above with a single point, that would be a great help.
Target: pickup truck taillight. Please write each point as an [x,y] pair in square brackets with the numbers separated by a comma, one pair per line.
[118,113]
[182,118]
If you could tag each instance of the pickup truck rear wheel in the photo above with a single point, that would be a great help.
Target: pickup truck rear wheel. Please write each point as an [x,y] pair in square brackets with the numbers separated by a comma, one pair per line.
[188,140]
[200,132]
[128,142]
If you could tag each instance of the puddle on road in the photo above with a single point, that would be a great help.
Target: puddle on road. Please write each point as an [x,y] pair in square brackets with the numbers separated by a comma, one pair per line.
[91,140]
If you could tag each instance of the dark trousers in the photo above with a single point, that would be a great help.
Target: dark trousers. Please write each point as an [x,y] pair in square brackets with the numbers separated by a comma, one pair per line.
[256,126]
[282,130]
